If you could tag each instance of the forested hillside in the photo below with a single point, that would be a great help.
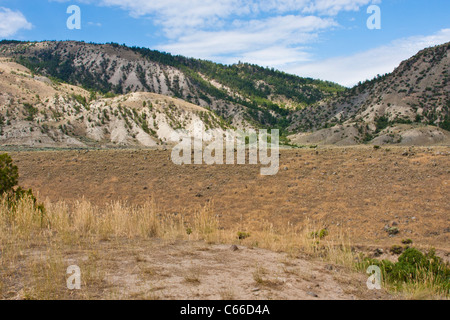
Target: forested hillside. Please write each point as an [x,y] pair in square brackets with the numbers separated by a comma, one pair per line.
[243,94]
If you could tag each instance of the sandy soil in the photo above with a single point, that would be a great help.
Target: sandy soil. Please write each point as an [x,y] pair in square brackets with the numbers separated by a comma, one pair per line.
[195,270]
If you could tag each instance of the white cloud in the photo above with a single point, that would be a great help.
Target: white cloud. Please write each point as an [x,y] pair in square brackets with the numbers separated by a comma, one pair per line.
[319,7]
[11,22]
[274,33]
[273,41]
[94,24]
[266,32]
[178,17]
[275,56]
[181,17]
[333,7]
[361,66]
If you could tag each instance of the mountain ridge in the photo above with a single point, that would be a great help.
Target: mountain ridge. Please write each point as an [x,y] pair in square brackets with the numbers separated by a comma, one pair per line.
[38,112]
[407,106]
[415,95]
[252,92]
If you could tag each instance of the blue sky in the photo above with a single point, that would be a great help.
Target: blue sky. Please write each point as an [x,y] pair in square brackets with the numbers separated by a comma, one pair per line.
[326,39]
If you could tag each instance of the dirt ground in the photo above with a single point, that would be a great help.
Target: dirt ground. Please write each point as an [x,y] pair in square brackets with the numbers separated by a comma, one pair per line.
[356,190]
[359,190]
[187,270]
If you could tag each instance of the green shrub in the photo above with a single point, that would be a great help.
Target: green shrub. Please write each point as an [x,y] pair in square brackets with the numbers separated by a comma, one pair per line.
[31,111]
[409,265]
[9,177]
[414,267]
[393,231]
[9,174]
[243,235]
[397,249]
[386,266]
[407,241]
[413,257]
[381,123]
[320,234]
[80,99]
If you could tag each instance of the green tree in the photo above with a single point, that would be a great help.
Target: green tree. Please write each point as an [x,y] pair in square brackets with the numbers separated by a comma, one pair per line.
[9,174]
[9,178]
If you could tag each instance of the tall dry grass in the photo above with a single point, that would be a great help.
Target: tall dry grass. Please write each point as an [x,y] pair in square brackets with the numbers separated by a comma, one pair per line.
[84,221]
[23,228]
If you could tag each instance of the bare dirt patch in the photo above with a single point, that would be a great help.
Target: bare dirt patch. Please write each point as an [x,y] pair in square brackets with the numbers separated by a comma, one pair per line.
[174,270]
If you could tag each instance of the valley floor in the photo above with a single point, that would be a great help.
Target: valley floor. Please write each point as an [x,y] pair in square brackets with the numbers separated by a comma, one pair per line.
[177,246]
[356,189]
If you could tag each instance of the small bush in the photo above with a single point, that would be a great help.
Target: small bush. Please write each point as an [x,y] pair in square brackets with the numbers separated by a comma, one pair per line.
[30,111]
[80,99]
[243,235]
[381,123]
[415,268]
[320,234]
[393,231]
[9,177]
[396,249]
[407,241]
[9,174]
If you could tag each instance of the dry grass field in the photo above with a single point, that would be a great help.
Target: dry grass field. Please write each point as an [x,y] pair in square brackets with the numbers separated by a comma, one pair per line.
[359,190]
[141,227]
[138,252]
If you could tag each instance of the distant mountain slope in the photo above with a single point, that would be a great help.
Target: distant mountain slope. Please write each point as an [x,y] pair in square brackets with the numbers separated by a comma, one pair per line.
[415,95]
[243,94]
[78,94]
[38,112]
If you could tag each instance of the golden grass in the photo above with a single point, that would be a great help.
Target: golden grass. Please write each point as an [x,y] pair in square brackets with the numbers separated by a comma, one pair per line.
[423,286]
[40,244]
